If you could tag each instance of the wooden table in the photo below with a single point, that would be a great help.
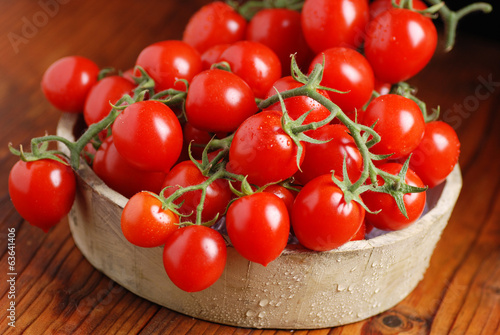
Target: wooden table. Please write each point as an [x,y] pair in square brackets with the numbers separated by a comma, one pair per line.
[58,291]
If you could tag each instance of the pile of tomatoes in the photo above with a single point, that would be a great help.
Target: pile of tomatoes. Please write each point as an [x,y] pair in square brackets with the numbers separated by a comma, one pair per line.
[223,128]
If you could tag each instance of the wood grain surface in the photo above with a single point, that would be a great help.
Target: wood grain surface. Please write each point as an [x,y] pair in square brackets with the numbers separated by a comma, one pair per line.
[58,292]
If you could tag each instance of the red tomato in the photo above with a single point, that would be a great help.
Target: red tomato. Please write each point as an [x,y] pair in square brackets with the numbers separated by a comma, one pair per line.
[168,61]
[360,234]
[258,226]
[219,101]
[122,177]
[283,193]
[399,122]
[67,82]
[42,191]
[194,257]
[262,151]
[212,55]
[334,23]
[390,218]
[214,23]
[321,219]
[186,174]
[198,139]
[399,43]
[379,6]
[105,91]
[323,158]
[437,154]
[346,70]
[255,63]
[280,29]
[145,223]
[148,135]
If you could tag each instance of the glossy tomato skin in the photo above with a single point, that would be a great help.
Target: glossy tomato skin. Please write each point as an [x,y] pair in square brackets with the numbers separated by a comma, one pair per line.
[105,91]
[437,154]
[321,219]
[334,23]
[379,6]
[258,226]
[280,29]
[285,194]
[148,135]
[144,223]
[120,176]
[219,101]
[198,139]
[262,151]
[168,61]
[67,82]
[399,43]
[42,191]
[212,55]
[214,23]
[255,63]
[399,122]
[194,257]
[346,70]
[186,174]
[389,217]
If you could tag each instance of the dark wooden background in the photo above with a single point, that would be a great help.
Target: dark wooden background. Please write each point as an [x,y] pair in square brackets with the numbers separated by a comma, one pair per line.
[58,291]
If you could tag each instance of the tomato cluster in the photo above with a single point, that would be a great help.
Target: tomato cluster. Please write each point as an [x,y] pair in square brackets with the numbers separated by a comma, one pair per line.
[225,128]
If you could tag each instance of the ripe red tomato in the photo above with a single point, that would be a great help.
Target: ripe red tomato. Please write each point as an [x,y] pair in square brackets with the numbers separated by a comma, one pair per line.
[219,101]
[389,217]
[42,191]
[186,174]
[255,63]
[168,61]
[122,177]
[198,139]
[145,223]
[105,91]
[212,55]
[379,6]
[67,82]
[346,70]
[399,43]
[262,151]
[258,226]
[399,122]
[280,29]
[334,23]
[148,135]
[321,219]
[214,23]
[194,257]
[437,154]
[285,194]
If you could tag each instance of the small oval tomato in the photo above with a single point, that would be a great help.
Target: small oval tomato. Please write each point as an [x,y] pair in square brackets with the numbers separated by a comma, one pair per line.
[42,191]
[258,226]
[212,55]
[67,82]
[283,193]
[145,223]
[194,257]
[321,219]
[148,135]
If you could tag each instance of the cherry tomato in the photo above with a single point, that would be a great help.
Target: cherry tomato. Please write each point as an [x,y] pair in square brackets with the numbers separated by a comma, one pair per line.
[219,101]
[280,29]
[360,234]
[399,43]
[389,217]
[437,154]
[148,135]
[262,151]
[212,55]
[168,61]
[334,23]
[198,139]
[145,223]
[67,82]
[258,226]
[348,71]
[285,194]
[379,6]
[42,191]
[255,63]
[399,122]
[321,219]
[122,177]
[214,23]
[194,257]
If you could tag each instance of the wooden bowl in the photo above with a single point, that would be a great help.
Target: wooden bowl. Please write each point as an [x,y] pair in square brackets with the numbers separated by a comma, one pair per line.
[299,290]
